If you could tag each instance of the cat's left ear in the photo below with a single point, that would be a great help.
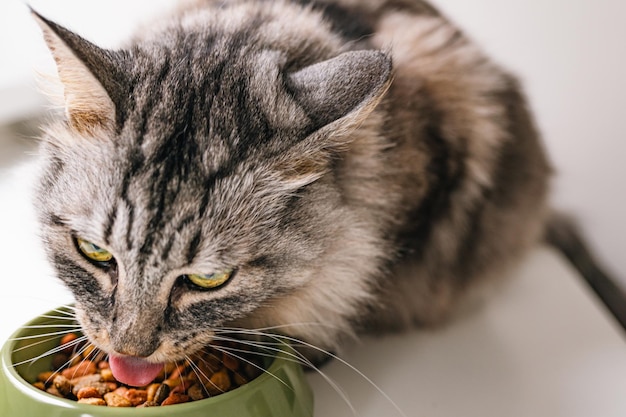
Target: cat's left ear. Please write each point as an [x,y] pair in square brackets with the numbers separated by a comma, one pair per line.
[337,95]
[86,72]
[347,86]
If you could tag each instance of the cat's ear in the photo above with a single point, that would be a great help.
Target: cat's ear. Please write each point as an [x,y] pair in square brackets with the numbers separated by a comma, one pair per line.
[85,73]
[337,95]
[350,84]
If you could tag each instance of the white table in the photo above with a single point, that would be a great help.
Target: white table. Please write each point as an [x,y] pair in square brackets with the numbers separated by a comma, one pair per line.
[543,345]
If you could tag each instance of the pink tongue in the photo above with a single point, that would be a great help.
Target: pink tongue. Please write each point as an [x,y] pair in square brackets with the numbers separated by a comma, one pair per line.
[133,371]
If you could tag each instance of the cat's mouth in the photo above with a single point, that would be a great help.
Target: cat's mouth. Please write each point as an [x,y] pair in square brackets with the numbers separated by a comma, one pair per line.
[132,370]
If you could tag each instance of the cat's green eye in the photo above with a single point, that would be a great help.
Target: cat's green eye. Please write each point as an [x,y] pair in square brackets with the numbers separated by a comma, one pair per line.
[210,281]
[93,252]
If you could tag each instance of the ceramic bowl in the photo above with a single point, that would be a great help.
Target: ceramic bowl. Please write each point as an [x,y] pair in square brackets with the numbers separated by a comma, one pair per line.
[280,392]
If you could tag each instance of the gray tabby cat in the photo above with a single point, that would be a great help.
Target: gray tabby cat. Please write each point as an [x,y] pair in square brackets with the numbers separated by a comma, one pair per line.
[321,167]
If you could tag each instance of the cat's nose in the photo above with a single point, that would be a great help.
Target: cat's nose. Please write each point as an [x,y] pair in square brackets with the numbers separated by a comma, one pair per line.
[133,344]
[134,337]
[136,351]
[134,341]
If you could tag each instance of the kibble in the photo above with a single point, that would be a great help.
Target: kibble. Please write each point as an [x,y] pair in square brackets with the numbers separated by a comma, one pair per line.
[92,401]
[88,381]
[196,392]
[62,384]
[219,383]
[83,368]
[39,385]
[88,392]
[115,400]
[162,392]
[148,404]
[52,390]
[107,375]
[67,343]
[87,378]
[175,398]
[136,396]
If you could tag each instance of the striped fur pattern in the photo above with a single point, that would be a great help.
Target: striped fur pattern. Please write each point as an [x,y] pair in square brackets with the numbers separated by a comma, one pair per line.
[359,164]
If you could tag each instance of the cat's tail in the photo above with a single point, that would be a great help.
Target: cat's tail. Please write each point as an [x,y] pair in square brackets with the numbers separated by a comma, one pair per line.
[563,233]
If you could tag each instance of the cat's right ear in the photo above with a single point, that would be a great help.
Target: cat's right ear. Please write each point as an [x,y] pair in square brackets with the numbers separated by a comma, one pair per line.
[85,73]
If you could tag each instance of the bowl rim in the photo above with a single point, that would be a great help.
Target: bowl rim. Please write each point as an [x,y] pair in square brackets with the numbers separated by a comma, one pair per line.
[280,360]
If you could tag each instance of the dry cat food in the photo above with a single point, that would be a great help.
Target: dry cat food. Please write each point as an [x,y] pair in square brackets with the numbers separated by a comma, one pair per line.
[83,375]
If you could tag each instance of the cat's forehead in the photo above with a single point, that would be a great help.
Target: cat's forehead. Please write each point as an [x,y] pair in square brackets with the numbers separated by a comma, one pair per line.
[227,104]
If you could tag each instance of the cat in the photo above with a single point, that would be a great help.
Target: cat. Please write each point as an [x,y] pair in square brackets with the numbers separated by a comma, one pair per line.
[320,168]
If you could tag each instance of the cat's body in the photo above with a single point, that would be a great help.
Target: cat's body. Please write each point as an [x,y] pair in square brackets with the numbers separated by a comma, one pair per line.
[349,190]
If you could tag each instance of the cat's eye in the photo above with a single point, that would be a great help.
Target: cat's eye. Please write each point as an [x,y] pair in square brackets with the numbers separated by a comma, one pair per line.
[94,252]
[210,281]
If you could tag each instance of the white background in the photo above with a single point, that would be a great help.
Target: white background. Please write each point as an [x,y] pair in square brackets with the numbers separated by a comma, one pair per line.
[569,54]
[522,354]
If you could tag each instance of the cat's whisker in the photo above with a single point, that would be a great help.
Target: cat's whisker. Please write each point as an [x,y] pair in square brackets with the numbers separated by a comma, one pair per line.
[351,367]
[62,308]
[208,379]
[48,326]
[65,311]
[33,344]
[295,341]
[180,374]
[256,353]
[64,317]
[95,352]
[289,356]
[241,358]
[292,356]
[79,353]
[275,347]
[54,337]
[279,327]
[198,372]
[52,351]
[67,363]
[333,384]
[36,336]
[265,346]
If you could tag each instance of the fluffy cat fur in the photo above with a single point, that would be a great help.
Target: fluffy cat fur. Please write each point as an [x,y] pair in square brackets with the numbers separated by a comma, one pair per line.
[360,164]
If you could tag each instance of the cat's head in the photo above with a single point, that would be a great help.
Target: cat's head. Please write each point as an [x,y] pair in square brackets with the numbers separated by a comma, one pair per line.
[190,186]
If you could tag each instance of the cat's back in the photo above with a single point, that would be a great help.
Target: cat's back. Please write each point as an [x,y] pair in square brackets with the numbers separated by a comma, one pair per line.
[304,28]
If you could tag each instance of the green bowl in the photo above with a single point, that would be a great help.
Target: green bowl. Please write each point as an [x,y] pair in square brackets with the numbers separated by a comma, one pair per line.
[281,391]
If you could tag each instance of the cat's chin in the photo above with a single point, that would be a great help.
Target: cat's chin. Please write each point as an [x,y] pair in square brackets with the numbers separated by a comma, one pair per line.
[132,370]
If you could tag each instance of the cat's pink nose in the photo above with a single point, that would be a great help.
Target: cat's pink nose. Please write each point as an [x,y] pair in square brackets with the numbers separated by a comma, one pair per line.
[132,341]
[134,331]
[133,351]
